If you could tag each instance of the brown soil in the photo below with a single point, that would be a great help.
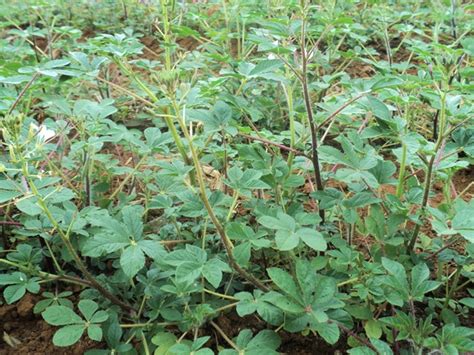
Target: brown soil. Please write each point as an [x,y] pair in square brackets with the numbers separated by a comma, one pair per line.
[31,333]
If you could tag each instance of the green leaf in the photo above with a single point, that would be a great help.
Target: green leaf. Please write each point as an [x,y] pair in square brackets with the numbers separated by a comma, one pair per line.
[373,329]
[13,293]
[396,269]
[379,109]
[284,281]
[164,341]
[266,341]
[419,286]
[132,218]
[29,206]
[222,111]
[284,303]
[212,273]
[328,331]
[467,302]
[189,271]
[361,199]
[312,238]
[266,66]
[87,308]
[242,253]
[463,221]
[99,317]
[132,260]
[247,304]
[286,240]
[68,335]
[94,332]
[61,315]
[283,222]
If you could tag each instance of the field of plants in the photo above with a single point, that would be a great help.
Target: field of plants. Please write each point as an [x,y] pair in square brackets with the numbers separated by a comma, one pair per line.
[247,177]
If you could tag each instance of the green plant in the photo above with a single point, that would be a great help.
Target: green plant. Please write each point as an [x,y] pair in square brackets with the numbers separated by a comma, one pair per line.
[288,166]
[73,326]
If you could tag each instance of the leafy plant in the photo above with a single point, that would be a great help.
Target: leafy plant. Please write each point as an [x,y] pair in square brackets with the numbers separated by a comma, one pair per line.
[73,325]
[285,166]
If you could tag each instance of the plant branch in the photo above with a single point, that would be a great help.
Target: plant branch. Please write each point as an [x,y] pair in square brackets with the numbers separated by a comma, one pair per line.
[309,112]
[279,145]
[22,93]
[202,191]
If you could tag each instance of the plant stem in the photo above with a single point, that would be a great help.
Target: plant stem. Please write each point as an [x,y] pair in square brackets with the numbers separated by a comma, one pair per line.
[128,177]
[278,145]
[429,173]
[453,287]
[167,118]
[202,191]
[357,337]
[65,239]
[309,112]
[401,174]
[22,93]
[233,205]
[47,276]
[145,344]
[349,281]
[288,90]
[223,308]
[221,295]
[224,335]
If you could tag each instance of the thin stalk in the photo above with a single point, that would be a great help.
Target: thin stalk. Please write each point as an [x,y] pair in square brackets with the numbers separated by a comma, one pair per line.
[429,173]
[55,261]
[47,276]
[401,174]
[146,349]
[226,338]
[167,118]
[22,93]
[128,177]
[288,90]
[357,337]
[453,287]
[309,112]
[223,308]
[233,205]
[165,33]
[349,281]
[202,191]
[70,247]
[221,295]
[279,145]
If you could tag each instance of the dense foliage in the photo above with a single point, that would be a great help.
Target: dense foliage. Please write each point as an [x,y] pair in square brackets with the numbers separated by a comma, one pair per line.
[289,165]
